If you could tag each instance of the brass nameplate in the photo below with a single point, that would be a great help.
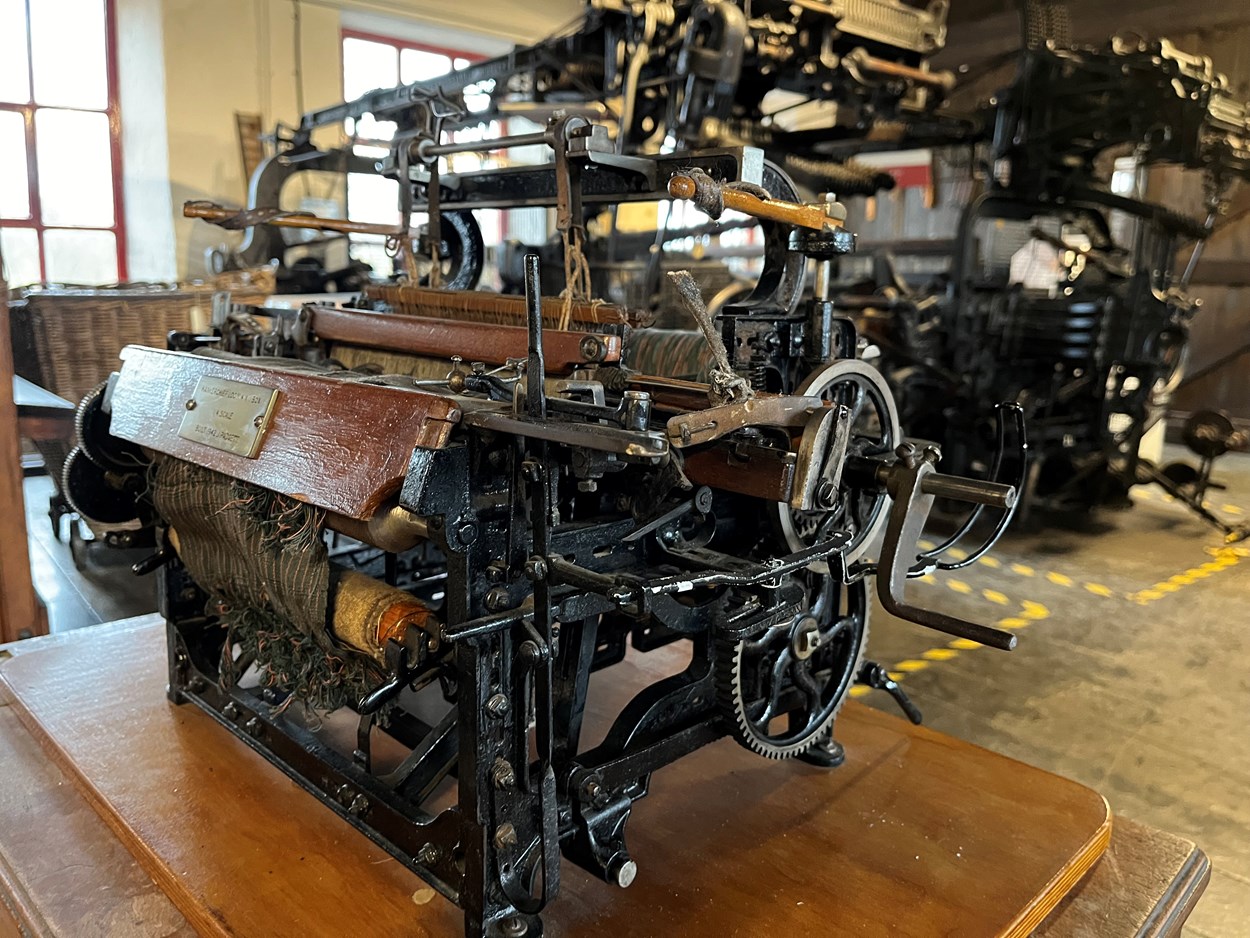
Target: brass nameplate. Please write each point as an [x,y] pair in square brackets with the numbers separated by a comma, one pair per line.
[228,415]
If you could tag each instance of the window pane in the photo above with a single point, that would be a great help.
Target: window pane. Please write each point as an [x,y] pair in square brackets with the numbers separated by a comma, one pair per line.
[372,198]
[14,185]
[367,128]
[14,72]
[67,41]
[20,249]
[87,257]
[372,250]
[75,168]
[368,65]
[417,65]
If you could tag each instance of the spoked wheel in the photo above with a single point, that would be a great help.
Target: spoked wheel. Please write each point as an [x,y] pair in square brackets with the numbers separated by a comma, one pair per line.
[874,432]
[780,690]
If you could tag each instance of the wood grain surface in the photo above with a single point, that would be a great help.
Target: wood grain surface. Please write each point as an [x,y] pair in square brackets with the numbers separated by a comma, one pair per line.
[21,612]
[338,445]
[442,338]
[1140,861]
[917,834]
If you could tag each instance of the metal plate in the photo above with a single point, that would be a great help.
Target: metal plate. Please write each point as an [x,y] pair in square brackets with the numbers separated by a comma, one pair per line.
[228,415]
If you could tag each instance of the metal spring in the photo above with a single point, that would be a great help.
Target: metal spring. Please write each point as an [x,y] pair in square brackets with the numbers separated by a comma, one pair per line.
[757,373]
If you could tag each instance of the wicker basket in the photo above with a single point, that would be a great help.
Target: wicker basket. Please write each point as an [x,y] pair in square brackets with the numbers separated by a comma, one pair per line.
[77,334]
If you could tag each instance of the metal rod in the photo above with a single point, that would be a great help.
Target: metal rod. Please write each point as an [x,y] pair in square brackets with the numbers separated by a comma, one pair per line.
[431,150]
[993,494]
[535,371]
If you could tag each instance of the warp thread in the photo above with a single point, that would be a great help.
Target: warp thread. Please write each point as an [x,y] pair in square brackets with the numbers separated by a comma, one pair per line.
[726,385]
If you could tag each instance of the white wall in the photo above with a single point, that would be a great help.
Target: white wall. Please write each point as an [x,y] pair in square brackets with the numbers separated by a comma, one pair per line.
[217,57]
[147,207]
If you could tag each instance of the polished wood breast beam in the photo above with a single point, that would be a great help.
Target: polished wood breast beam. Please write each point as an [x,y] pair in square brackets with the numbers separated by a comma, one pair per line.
[340,445]
[473,341]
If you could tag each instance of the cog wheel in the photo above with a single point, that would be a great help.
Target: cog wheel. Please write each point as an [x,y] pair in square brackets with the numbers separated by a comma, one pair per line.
[98,495]
[780,690]
[874,431]
[91,426]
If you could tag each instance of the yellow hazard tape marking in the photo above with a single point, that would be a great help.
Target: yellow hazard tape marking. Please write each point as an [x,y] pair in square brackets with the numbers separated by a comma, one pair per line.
[1032,610]
[1225,557]
[910,665]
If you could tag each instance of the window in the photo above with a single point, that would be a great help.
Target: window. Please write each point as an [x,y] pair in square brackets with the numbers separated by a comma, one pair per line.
[60,189]
[369,62]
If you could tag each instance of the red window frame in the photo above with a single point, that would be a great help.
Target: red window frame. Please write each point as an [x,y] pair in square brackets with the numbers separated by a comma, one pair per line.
[112,111]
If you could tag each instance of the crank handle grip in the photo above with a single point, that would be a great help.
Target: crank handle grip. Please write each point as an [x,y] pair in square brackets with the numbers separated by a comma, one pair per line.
[993,494]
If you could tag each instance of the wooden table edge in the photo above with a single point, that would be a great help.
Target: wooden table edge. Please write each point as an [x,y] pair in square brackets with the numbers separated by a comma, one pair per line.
[199,917]
[1189,884]
[1064,881]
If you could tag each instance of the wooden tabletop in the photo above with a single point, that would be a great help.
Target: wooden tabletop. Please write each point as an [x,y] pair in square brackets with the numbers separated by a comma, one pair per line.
[918,834]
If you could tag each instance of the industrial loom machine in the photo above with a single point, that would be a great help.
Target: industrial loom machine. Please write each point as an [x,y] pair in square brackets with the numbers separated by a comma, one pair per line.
[435,513]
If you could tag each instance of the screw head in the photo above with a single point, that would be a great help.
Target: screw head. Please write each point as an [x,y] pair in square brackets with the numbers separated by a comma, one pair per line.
[230,711]
[591,348]
[497,705]
[826,494]
[191,405]
[505,835]
[502,774]
[496,599]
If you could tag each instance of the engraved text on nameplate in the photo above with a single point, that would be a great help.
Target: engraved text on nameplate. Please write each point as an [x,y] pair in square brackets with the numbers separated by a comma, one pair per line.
[228,415]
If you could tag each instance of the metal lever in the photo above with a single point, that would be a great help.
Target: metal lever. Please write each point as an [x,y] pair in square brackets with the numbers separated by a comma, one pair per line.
[913,484]
[402,673]
[876,677]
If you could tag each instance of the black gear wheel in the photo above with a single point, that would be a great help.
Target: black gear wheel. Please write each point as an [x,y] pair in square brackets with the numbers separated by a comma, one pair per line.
[97,494]
[91,429]
[778,695]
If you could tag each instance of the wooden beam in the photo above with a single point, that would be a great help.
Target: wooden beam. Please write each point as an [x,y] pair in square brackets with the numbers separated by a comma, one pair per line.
[21,613]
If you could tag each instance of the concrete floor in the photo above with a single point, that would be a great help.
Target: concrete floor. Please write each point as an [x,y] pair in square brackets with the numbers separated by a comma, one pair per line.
[1130,674]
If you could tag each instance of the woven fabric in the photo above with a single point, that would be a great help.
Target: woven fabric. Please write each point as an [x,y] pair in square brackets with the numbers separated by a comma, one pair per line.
[261,557]
[669,353]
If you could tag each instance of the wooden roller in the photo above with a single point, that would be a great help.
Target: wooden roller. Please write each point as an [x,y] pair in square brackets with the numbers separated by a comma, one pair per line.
[790,213]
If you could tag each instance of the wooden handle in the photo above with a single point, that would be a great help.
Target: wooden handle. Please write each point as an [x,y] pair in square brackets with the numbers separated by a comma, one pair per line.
[791,213]
[216,213]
